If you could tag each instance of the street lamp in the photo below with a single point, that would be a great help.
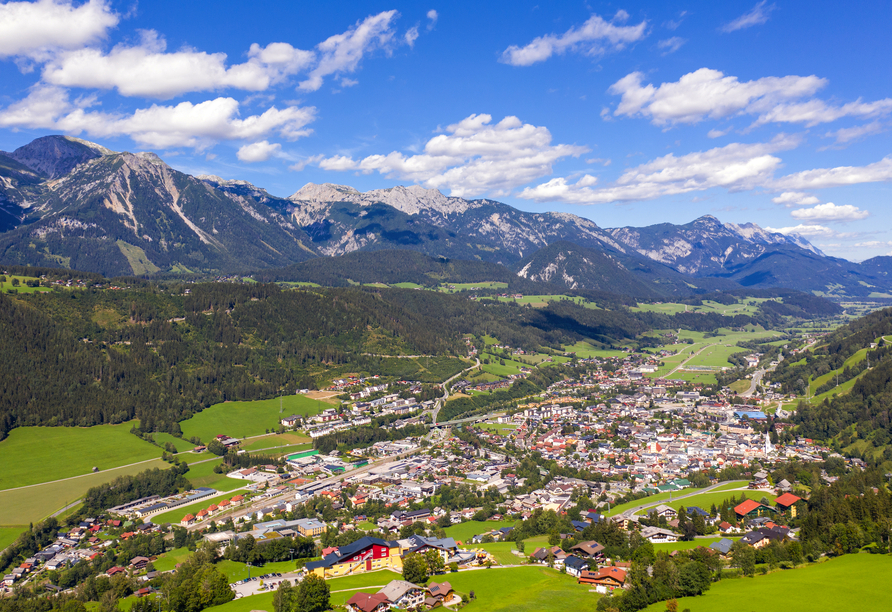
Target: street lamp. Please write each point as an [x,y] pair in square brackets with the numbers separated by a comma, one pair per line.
[291,550]
[248,564]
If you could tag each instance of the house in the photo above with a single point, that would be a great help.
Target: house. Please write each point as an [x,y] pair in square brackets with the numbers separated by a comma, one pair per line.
[656,535]
[440,591]
[310,527]
[364,555]
[605,579]
[139,563]
[402,594]
[726,527]
[589,550]
[364,602]
[187,520]
[787,503]
[752,509]
[663,510]
[765,535]
[723,546]
[291,421]
[575,566]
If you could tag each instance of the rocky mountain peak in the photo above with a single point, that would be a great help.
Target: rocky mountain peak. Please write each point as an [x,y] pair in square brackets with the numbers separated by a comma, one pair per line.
[327,192]
[56,156]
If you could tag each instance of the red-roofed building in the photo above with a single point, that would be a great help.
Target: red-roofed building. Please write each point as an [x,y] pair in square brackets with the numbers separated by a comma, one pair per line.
[752,509]
[787,502]
[605,579]
[237,499]
[201,514]
[364,602]
[187,520]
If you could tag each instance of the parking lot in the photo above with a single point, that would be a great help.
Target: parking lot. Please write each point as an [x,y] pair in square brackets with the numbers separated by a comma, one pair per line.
[261,584]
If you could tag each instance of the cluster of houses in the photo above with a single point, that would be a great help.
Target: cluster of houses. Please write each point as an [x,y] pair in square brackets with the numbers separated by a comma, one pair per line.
[212,510]
[404,595]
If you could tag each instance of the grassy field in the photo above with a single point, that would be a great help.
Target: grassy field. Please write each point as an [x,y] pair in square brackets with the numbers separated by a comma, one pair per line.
[646,500]
[706,500]
[203,475]
[585,350]
[816,587]
[453,287]
[175,516]
[502,552]
[182,446]
[23,506]
[467,530]
[524,589]
[244,419]
[276,441]
[32,455]
[9,534]
[502,428]
[22,288]
[169,560]
[495,367]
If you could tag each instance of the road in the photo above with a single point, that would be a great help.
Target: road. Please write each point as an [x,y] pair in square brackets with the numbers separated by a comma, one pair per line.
[442,401]
[757,378]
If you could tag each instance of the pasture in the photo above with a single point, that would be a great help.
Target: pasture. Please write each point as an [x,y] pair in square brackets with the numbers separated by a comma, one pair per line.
[33,455]
[522,589]
[8,286]
[837,584]
[585,350]
[32,504]
[203,475]
[9,534]
[275,441]
[619,509]
[246,419]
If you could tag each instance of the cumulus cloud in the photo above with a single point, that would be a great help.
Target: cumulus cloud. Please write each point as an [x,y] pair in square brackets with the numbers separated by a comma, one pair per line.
[472,157]
[258,151]
[35,29]
[758,15]
[671,45]
[795,198]
[805,230]
[432,17]
[184,125]
[146,70]
[595,37]
[821,178]
[830,212]
[342,52]
[735,167]
[709,94]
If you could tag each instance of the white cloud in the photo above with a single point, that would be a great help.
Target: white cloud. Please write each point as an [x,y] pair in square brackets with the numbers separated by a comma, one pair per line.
[411,36]
[847,135]
[432,17]
[709,94]
[706,93]
[473,157]
[34,29]
[830,212]
[671,45]
[197,126]
[757,16]
[147,71]
[595,37]
[343,52]
[258,151]
[821,178]
[300,165]
[713,133]
[795,198]
[735,167]
[804,230]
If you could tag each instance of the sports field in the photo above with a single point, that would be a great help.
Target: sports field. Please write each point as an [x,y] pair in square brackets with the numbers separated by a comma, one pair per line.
[845,583]
[31,455]
[244,419]
[32,504]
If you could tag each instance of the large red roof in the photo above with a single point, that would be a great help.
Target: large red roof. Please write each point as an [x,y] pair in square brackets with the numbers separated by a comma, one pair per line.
[746,507]
[787,499]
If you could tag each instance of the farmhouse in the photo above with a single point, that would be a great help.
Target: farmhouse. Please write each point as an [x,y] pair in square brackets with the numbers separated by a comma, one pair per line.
[364,602]
[658,536]
[752,509]
[605,579]
[402,594]
[787,503]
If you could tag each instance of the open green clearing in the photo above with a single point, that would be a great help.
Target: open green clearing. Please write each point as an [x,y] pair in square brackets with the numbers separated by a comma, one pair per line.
[170,559]
[203,475]
[32,504]
[647,500]
[495,366]
[453,287]
[32,455]
[501,428]
[182,446]
[848,582]
[585,350]
[275,441]
[9,534]
[706,500]
[176,515]
[502,552]
[22,288]
[245,419]
[463,532]
[541,301]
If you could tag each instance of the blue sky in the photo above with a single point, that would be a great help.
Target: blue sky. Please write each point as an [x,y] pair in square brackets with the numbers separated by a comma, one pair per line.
[776,113]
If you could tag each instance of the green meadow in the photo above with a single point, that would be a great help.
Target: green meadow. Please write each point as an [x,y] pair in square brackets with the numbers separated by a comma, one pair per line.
[245,419]
[9,534]
[7,286]
[203,475]
[33,455]
[32,504]
[848,582]
[463,532]
[619,509]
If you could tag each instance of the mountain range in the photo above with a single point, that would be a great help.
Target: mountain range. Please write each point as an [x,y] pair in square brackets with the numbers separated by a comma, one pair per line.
[72,203]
